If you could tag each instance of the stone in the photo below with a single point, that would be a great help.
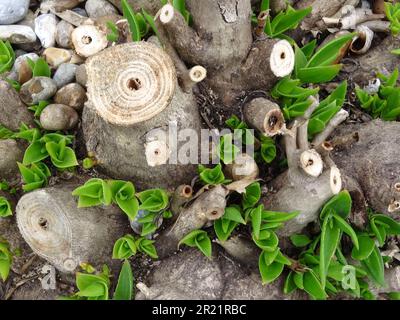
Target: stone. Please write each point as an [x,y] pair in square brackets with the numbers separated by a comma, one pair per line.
[56,56]
[17,34]
[12,111]
[99,8]
[10,154]
[58,5]
[81,75]
[12,11]
[73,95]
[29,20]
[25,73]
[63,36]
[18,62]
[65,74]
[46,29]
[58,117]
[38,89]
[80,11]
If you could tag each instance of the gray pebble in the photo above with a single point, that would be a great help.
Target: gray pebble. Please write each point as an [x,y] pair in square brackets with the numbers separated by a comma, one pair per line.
[72,95]
[81,75]
[10,154]
[80,11]
[46,29]
[65,74]
[58,5]
[99,8]
[63,36]
[17,34]
[12,11]
[17,64]
[58,117]
[38,89]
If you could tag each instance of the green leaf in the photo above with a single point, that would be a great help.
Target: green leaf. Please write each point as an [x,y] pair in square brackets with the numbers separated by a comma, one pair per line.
[289,285]
[346,228]
[5,261]
[212,176]
[319,74]
[298,279]
[113,36]
[393,226]
[300,60]
[309,48]
[339,204]
[330,236]
[278,217]
[147,246]
[375,267]
[150,20]
[123,194]
[268,149]
[41,69]
[153,200]
[366,246]
[124,248]
[35,152]
[224,228]
[227,149]
[199,239]
[129,14]
[94,192]
[313,286]
[124,289]
[271,272]
[93,287]
[300,240]
[203,242]
[251,196]
[5,208]
[330,52]
[255,216]
[233,213]
[288,20]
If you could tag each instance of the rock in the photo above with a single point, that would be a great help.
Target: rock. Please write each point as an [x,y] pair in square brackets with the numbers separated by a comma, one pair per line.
[17,34]
[46,29]
[25,73]
[88,40]
[22,58]
[12,11]
[73,95]
[29,20]
[56,56]
[65,74]
[190,275]
[58,5]
[80,11]
[72,17]
[63,36]
[58,117]
[38,89]
[10,154]
[81,75]
[12,110]
[99,8]
[76,58]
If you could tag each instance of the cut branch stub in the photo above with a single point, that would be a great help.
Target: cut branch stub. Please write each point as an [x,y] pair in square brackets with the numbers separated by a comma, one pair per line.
[209,206]
[64,235]
[265,116]
[130,83]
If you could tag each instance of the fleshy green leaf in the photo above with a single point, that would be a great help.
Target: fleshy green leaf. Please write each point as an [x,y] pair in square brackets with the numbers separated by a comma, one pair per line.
[124,289]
